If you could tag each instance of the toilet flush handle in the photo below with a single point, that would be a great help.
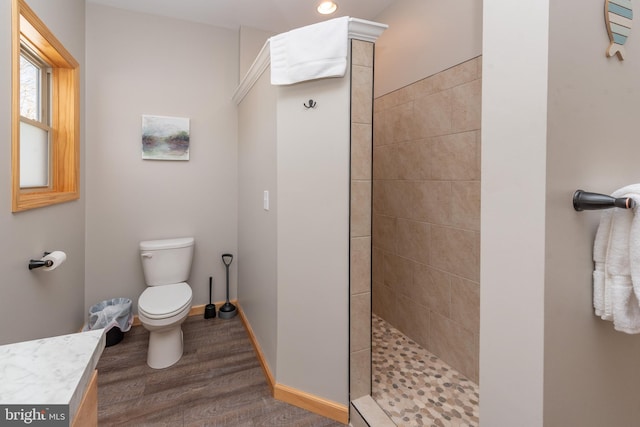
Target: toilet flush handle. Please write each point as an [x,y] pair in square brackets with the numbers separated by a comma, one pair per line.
[146,255]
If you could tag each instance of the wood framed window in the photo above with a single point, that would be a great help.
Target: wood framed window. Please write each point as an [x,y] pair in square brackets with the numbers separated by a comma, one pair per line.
[45,127]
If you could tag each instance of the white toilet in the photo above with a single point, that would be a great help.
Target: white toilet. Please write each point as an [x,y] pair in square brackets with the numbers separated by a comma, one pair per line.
[166,302]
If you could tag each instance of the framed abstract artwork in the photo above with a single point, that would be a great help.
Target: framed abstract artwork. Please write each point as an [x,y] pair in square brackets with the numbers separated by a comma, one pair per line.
[165,138]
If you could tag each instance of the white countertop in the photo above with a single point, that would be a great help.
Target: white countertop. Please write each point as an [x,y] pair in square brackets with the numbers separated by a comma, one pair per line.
[50,371]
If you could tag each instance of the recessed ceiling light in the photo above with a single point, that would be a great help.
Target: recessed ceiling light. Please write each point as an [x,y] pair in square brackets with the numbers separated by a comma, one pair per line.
[327,7]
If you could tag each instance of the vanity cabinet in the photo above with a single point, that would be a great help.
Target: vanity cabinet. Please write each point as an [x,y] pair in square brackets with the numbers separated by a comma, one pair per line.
[87,415]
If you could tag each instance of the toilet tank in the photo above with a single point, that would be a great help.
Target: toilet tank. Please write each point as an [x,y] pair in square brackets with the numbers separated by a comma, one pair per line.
[168,261]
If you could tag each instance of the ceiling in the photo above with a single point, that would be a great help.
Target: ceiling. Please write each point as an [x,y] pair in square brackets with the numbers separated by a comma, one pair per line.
[270,15]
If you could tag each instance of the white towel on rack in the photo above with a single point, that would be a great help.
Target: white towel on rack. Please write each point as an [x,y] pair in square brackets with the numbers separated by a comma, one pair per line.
[616,279]
[312,52]
[602,301]
[634,245]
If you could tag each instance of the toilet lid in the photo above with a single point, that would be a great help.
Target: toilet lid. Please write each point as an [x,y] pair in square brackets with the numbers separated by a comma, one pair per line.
[159,302]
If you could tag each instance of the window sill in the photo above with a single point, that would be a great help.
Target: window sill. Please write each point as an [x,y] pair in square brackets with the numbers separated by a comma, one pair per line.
[34,200]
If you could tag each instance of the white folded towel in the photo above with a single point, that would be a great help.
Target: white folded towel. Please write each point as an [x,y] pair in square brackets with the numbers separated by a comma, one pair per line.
[601,280]
[602,302]
[312,52]
[616,276]
[634,245]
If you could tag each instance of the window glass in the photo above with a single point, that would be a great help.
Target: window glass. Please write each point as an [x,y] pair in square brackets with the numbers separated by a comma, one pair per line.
[29,89]
[34,123]
[45,118]
[34,156]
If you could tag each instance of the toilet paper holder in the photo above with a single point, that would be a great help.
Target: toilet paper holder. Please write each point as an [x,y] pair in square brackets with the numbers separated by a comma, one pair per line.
[37,263]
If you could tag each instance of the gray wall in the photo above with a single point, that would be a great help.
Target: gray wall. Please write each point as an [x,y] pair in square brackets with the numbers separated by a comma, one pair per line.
[251,41]
[295,257]
[591,371]
[143,64]
[313,238]
[37,304]
[514,113]
[425,37]
[557,116]
[257,234]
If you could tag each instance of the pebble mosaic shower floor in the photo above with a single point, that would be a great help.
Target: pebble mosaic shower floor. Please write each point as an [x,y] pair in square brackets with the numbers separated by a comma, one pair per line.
[416,388]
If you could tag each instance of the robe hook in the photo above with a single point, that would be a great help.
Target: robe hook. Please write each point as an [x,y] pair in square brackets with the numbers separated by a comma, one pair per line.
[312,104]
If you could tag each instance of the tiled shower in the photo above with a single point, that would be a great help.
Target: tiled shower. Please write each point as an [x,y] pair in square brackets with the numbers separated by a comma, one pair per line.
[426,214]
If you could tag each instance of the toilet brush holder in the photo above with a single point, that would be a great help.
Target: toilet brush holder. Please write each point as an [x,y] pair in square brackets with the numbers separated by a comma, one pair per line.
[227,310]
[210,309]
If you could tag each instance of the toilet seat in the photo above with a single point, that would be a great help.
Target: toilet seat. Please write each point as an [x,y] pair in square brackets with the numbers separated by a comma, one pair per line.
[161,302]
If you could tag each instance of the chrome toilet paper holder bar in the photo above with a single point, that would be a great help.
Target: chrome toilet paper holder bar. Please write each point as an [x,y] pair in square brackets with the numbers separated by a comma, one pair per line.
[586,201]
[37,263]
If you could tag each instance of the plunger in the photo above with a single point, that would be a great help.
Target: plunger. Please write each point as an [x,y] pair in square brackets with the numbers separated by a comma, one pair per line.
[228,310]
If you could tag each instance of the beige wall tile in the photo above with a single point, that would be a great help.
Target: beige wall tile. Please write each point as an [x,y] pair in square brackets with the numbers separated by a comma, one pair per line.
[362,53]
[454,157]
[465,303]
[432,289]
[398,273]
[426,196]
[384,232]
[479,150]
[360,336]
[412,240]
[401,122]
[466,106]
[396,168]
[386,162]
[380,195]
[399,198]
[413,320]
[379,104]
[456,75]
[475,376]
[465,204]
[456,251]
[453,344]
[377,267]
[413,201]
[384,302]
[400,96]
[413,159]
[361,154]
[382,130]
[360,208]
[432,115]
[402,160]
[428,201]
[360,265]
[431,202]
[360,370]
[424,87]
[361,94]
[362,130]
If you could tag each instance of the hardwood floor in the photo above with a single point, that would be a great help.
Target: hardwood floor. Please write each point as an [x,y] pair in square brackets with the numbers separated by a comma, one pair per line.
[218,382]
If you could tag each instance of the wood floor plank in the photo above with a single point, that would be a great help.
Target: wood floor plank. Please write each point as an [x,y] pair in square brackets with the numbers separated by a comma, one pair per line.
[217,382]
